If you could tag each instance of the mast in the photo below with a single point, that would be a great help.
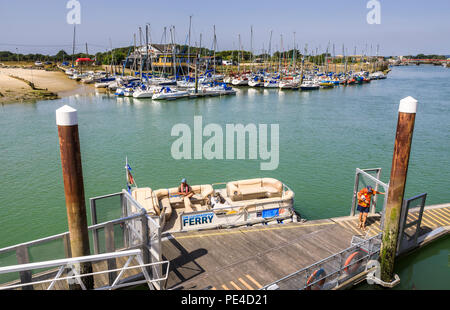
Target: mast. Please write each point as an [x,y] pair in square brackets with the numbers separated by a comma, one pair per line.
[134,58]
[214,57]
[294,56]
[73,45]
[172,36]
[239,55]
[189,47]
[334,59]
[146,48]
[112,59]
[251,48]
[270,46]
[140,53]
[280,54]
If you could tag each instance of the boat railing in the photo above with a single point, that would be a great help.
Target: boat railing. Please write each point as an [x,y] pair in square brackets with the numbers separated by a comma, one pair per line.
[67,271]
[333,271]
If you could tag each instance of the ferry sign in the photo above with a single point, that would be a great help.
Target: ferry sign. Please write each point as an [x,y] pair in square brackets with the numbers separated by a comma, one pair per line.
[198,219]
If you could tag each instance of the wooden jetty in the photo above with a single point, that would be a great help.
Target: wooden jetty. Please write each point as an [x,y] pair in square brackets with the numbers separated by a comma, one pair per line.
[252,257]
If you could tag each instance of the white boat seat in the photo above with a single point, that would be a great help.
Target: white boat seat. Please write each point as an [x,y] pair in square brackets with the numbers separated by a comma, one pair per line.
[145,198]
[254,189]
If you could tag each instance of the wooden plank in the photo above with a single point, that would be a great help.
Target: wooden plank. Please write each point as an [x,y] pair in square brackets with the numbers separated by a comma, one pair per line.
[436,218]
[443,215]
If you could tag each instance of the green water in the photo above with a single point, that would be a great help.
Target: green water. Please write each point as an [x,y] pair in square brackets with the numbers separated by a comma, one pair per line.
[324,136]
[425,269]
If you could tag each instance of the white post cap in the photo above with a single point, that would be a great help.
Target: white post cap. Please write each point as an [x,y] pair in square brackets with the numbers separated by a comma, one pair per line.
[408,105]
[66,116]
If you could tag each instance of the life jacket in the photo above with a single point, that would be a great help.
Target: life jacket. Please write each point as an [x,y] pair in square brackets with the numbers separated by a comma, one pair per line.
[184,189]
[368,196]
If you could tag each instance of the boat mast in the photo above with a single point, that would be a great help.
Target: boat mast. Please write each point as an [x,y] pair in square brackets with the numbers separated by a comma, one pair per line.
[172,36]
[239,55]
[112,59]
[146,49]
[280,54]
[251,49]
[73,45]
[134,53]
[294,56]
[270,55]
[140,54]
[189,47]
[215,43]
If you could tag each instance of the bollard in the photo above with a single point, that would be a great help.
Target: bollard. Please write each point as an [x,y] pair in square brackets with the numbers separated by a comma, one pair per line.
[402,148]
[69,142]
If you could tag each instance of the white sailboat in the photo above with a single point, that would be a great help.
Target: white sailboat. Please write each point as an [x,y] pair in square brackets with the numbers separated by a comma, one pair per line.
[168,93]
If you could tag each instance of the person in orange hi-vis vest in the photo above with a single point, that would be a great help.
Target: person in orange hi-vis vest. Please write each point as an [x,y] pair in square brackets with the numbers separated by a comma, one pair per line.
[364,199]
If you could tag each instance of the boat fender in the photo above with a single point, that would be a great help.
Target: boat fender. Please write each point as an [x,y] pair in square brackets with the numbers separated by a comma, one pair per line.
[353,261]
[317,274]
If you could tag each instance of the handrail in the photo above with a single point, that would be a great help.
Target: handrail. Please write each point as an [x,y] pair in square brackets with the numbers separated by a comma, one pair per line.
[386,186]
[61,235]
[71,263]
[67,261]
[312,266]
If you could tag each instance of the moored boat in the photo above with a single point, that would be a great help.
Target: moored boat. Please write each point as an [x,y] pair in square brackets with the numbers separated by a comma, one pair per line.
[243,202]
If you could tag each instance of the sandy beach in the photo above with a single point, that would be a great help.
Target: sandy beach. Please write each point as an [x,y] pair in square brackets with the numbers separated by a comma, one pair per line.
[51,84]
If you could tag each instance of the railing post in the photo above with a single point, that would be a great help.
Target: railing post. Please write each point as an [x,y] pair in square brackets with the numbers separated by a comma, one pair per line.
[94,221]
[23,258]
[355,190]
[124,224]
[145,243]
[110,247]
[374,204]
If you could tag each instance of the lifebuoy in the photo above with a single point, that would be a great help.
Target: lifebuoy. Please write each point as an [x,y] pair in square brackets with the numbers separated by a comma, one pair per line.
[319,273]
[353,261]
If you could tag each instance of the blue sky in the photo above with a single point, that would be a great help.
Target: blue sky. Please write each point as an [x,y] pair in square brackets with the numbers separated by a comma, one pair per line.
[407,27]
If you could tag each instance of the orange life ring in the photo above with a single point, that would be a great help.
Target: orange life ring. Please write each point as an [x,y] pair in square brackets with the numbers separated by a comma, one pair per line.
[316,275]
[353,261]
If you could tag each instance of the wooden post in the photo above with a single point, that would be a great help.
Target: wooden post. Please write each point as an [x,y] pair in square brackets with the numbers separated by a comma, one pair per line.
[69,142]
[405,127]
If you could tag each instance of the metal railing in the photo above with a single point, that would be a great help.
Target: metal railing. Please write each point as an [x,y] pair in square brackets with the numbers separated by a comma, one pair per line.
[135,229]
[69,266]
[332,271]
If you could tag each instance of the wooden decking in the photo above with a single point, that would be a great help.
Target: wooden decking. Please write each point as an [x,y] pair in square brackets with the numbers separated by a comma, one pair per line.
[248,258]
[251,257]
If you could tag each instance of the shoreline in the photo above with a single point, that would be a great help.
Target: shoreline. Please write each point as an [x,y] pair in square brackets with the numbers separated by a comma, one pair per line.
[30,85]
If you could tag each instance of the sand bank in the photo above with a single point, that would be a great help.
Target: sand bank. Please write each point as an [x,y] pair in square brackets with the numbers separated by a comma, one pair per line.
[46,82]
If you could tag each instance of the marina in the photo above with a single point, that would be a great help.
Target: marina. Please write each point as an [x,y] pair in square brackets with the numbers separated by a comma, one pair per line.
[187,250]
[224,154]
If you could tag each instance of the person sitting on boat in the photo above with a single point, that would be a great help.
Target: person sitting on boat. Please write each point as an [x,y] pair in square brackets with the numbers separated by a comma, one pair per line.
[185,190]
[364,198]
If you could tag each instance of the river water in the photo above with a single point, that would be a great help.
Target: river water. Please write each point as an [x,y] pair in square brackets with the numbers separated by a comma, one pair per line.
[323,136]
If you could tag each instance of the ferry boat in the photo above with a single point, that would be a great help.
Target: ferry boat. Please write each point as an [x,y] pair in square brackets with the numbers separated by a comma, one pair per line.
[243,202]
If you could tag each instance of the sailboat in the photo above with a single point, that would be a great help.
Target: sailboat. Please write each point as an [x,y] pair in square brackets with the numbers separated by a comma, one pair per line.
[167,93]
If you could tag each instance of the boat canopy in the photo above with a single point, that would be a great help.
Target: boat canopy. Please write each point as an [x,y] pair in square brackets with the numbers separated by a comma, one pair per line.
[84,60]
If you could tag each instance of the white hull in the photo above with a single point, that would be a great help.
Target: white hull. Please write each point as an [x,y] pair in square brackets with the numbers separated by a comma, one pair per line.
[170,95]
[239,82]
